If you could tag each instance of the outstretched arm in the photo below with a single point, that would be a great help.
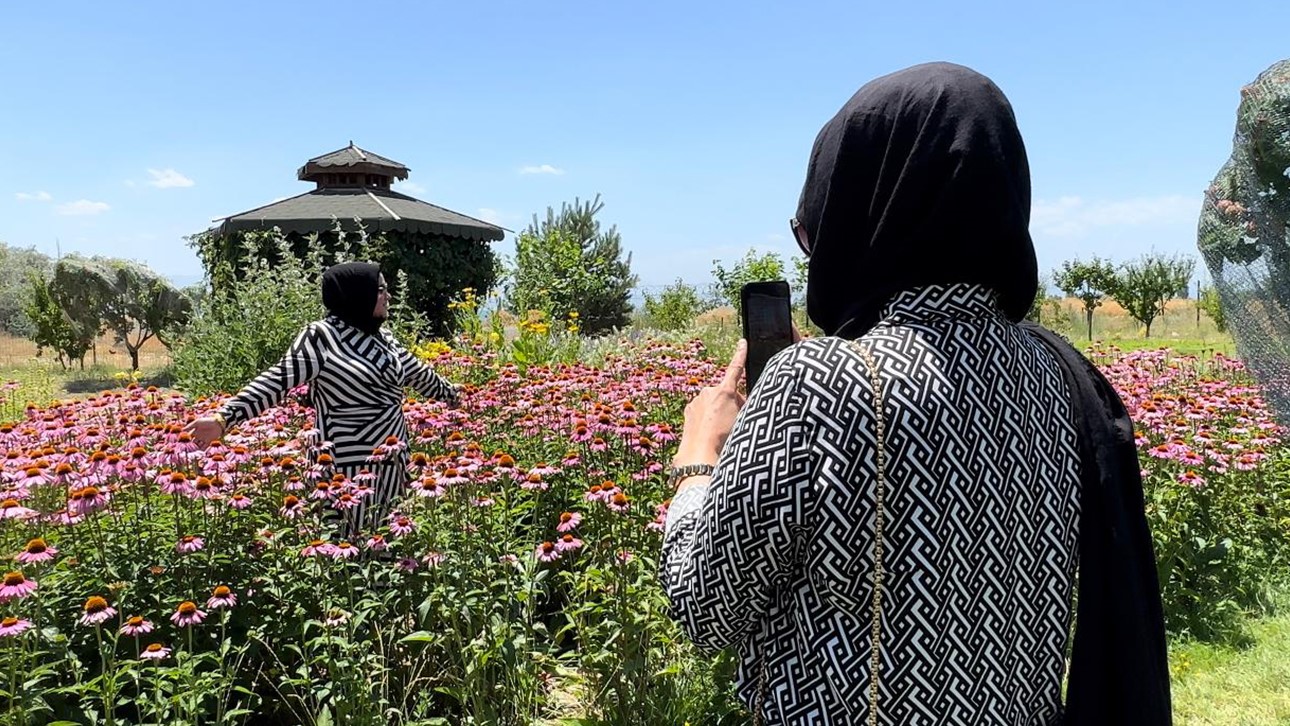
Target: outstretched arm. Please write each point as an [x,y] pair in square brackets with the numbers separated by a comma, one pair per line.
[419,376]
[300,365]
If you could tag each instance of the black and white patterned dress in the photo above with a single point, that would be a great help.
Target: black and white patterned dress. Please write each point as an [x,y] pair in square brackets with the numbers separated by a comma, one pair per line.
[357,383]
[775,554]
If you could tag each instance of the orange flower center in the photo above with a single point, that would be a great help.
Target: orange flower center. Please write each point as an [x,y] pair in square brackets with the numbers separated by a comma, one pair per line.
[9,504]
[567,537]
[620,499]
[178,478]
[290,500]
[223,591]
[36,546]
[344,546]
[547,547]
[535,477]
[13,579]
[135,621]
[565,518]
[33,471]
[153,647]
[95,604]
[187,607]
[188,539]
[316,543]
[506,460]
[203,484]
[63,468]
[9,622]
[404,521]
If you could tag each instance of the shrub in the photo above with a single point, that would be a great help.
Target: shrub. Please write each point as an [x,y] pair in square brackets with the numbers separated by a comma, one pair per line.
[675,308]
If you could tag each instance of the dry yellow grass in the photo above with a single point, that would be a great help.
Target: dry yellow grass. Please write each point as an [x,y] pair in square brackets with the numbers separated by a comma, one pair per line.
[15,352]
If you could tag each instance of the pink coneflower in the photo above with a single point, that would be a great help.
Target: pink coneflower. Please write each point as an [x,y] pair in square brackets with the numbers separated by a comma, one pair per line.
[1192,479]
[322,490]
[15,585]
[624,557]
[365,477]
[173,482]
[547,552]
[89,499]
[136,626]
[377,543]
[13,509]
[569,521]
[36,551]
[571,459]
[187,614]
[401,525]
[291,506]
[619,502]
[598,444]
[336,617]
[533,482]
[434,559]
[239,501]
[568,543]
[12,626]
[317,547]
[95,611]
[427,488]
[344,551]
[407,564]
[345,501]
[451,477]
[221,597]
[154,651]
[508,559]
[190,544]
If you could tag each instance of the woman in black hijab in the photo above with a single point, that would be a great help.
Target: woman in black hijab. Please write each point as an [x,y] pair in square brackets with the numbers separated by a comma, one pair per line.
[888,529]
[356,373]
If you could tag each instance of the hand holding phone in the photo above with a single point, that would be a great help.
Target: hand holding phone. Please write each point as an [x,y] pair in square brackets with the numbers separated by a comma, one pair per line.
[767,317]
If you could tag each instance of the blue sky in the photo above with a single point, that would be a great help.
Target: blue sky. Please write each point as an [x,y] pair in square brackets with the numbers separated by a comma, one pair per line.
[127,126]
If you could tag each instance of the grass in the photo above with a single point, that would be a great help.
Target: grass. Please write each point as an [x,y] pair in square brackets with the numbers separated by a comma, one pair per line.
[1221,685]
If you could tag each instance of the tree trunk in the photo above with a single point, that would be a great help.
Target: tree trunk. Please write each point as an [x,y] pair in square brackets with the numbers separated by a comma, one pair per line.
[1149,328]
[1088,313]
[134,357]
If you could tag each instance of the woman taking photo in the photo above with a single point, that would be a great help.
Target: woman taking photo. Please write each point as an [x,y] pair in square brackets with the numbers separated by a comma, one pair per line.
[887,531]
[356,374]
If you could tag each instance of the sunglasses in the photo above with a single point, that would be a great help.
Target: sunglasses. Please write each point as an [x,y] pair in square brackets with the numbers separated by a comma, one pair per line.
[799,234]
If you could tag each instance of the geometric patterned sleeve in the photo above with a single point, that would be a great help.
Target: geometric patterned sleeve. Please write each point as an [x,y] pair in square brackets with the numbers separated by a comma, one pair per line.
[420,377]
[728,544]
[301,364]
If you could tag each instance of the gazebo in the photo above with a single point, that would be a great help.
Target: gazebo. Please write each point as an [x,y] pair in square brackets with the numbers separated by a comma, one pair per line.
[440,251]
[352,183]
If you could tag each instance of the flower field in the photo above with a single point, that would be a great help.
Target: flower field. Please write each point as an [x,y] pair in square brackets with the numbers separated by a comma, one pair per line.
[148,582]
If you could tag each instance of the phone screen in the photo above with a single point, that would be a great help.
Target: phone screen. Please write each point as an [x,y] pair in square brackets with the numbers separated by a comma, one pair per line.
[768,326]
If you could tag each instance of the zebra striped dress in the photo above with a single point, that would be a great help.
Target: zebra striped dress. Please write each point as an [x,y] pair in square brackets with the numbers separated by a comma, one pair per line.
[356,383]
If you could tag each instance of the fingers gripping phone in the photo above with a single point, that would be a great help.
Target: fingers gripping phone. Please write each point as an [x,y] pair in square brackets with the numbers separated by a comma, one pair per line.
[767,322]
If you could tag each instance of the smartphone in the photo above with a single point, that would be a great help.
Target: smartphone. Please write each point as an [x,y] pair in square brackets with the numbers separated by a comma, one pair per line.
[768,324]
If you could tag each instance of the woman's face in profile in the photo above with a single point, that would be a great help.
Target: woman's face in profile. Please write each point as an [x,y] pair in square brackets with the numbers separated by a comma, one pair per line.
[381,311]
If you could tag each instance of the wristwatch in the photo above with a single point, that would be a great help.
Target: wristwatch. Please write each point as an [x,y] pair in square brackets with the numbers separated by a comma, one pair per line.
[678,473]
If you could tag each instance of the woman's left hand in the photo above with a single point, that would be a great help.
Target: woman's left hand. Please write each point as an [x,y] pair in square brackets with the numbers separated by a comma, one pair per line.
[710,416]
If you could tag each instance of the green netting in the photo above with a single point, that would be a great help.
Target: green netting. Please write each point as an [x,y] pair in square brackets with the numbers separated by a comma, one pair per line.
[1244,234]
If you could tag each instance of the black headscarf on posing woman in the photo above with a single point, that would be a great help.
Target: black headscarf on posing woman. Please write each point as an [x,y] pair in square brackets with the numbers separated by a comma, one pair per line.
[922,179]
[350,290]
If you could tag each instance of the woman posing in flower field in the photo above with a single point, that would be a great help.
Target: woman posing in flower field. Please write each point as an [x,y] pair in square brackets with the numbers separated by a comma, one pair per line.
[887,529]
[357,373]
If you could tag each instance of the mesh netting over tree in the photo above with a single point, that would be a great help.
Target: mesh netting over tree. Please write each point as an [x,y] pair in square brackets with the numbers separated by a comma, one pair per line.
[1244,234]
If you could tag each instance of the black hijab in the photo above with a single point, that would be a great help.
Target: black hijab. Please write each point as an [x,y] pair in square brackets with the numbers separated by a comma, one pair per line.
[350,290]
[920,179]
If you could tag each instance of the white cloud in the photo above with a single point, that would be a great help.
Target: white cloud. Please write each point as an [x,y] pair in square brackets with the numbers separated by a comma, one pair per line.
[543,169]
[489,215]
[408,187]
[168,179]
[34,196]
[81,208]
[1074,216]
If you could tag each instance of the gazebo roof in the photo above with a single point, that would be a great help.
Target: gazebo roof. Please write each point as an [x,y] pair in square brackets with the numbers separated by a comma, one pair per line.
[380,208]
[352,158]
